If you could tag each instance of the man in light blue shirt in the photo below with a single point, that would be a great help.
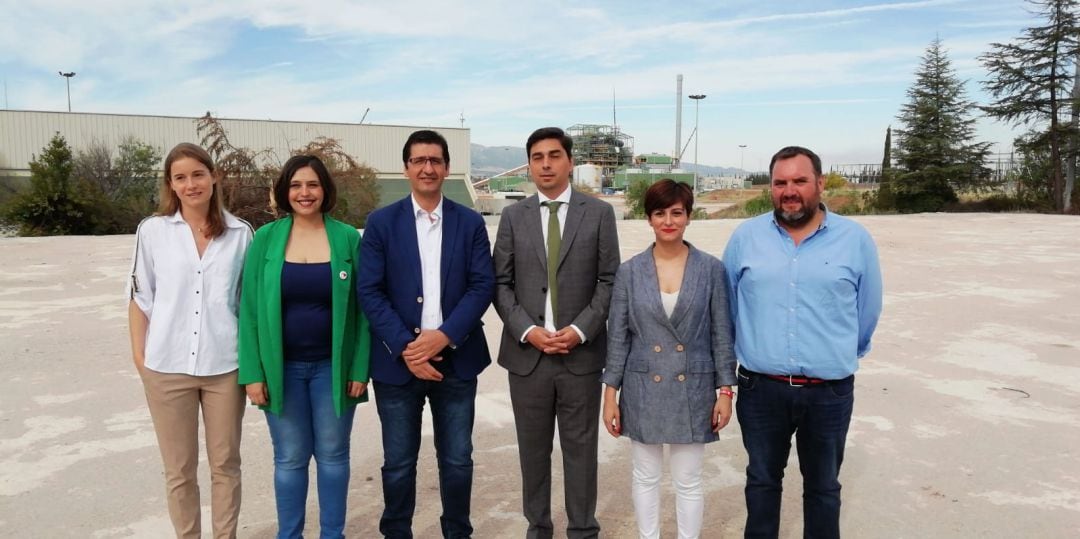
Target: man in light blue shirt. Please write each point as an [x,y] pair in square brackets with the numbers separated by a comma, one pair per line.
[805,291]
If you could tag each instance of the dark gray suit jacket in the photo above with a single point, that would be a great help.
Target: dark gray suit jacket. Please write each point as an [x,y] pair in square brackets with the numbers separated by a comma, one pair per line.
[588,260]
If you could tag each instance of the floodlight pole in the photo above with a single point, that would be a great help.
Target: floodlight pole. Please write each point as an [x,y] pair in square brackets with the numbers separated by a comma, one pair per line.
[697,135]
[67,78]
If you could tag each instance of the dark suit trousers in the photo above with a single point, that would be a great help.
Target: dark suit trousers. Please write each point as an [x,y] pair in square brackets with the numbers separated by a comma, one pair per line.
[552,393]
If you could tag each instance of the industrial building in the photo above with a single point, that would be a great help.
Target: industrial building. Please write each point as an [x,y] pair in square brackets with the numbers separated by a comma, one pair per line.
[24,133]
[604,146]
[599,151]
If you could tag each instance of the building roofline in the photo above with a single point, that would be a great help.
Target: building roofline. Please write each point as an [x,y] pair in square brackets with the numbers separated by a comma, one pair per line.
[269,120]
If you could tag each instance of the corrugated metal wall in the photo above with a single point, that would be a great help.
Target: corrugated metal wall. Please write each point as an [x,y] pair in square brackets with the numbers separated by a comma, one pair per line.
[25,133]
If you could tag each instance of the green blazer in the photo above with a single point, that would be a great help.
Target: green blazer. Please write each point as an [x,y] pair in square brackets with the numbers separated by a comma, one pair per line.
[260,335]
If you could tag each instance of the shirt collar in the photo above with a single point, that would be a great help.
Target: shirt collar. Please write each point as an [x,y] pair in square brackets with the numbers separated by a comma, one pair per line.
[437,212]
[564,197]
[231,221]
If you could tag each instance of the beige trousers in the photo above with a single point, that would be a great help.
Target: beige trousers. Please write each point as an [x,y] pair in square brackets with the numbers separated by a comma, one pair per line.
[174,401]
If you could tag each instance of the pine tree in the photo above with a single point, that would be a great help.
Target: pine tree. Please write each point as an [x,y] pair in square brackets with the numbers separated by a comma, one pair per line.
[886,161]
[935,150]
[1030,82]
[54,203]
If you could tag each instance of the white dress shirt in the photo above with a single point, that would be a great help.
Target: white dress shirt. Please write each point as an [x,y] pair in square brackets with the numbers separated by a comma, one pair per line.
[191,303]
[429,232]
[549,315]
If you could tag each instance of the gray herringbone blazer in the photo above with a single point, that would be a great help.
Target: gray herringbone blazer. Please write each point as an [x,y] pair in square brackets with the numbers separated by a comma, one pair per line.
[668,369]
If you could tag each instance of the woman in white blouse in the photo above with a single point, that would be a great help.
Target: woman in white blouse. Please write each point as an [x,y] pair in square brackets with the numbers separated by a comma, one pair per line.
[184,295]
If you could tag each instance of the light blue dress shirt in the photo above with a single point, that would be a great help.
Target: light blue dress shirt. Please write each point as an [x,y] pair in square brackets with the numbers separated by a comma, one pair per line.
[808,310]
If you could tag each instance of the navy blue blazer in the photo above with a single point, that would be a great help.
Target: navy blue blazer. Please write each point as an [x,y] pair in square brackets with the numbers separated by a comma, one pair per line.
[390,285]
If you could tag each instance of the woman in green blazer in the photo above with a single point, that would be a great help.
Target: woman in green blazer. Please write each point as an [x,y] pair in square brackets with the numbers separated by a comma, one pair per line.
[304,343]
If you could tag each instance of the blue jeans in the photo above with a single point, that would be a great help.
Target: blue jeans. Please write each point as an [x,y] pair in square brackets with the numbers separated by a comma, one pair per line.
[769,413]
[307,426]
[453,408]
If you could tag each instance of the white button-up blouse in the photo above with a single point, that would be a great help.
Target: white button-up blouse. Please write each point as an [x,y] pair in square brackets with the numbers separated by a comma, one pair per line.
[191,303]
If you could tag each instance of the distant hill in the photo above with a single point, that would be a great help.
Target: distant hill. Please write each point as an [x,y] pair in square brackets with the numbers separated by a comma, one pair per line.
[491,160]
[706,170]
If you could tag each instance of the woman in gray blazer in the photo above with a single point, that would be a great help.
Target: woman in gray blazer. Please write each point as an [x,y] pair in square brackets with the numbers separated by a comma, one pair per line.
[670,356]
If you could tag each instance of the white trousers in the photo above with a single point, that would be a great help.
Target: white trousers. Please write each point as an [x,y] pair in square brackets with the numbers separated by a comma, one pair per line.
[685,462]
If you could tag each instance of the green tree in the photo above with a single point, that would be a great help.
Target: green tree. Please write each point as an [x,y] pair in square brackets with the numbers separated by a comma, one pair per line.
[1035,166]
[123,189]
[138,167]
[886,160]
[834,180]
[936,150]
[54,204]
[635,199]
[1030,83]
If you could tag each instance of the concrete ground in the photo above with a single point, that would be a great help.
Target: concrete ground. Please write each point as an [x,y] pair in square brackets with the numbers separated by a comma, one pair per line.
[967,416]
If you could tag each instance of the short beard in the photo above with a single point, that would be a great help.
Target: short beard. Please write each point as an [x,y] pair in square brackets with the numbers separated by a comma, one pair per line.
[795,219]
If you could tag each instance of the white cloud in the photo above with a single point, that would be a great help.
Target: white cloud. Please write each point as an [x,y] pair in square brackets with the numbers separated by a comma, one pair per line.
[508,66]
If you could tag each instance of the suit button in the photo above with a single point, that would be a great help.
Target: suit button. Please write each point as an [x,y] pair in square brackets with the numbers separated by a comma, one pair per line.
[679,348]
[541,318]
[544,290]
[420,299]
[682,377]
[416,331]
[657,350]
[657,378]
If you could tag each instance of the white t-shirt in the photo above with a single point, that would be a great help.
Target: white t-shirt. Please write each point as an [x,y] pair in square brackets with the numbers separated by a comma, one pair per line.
[191,303]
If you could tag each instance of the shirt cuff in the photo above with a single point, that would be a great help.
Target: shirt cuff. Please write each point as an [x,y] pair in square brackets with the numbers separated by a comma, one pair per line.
[526,334]
[579,333]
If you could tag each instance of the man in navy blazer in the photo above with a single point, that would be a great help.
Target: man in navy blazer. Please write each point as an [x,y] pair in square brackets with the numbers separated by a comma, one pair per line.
[426,278]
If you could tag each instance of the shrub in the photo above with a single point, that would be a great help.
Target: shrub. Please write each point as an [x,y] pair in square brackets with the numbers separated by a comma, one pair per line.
[124,189]
[55,203]
[835,181]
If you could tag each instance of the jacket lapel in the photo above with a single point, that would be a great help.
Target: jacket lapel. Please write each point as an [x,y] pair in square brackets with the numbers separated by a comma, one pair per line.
[535,232]
[341,269]
[449,234]
[275,259]
[575,213]
[688,290]
[406,231]
[651,289]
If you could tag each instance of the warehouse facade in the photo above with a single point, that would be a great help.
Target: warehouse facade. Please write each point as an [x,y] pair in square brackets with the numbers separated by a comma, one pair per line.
[23,134]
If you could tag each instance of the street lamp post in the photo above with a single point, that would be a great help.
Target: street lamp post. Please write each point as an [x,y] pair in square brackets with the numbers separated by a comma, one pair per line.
[68,76]
[697,135]
[742,154]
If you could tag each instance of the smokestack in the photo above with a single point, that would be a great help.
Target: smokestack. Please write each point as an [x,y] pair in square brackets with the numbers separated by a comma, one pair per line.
[678,120]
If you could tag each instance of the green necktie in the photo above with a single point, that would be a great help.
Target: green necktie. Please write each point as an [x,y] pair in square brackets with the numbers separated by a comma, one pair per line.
[554,242]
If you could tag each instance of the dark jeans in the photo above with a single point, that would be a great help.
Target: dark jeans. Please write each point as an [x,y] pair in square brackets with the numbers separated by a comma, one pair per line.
[769,412]
[453,408]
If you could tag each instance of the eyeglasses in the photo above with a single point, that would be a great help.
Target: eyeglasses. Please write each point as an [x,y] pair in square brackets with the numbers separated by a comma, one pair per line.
[421,161]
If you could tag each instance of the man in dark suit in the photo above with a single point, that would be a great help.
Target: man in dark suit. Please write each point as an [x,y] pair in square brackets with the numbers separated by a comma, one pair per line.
[556,254]
[425,280]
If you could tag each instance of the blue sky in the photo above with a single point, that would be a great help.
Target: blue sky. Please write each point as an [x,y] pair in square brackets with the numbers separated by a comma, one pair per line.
[830,75]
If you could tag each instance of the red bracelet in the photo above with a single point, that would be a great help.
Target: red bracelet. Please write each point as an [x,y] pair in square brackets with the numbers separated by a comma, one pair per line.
[728,392]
